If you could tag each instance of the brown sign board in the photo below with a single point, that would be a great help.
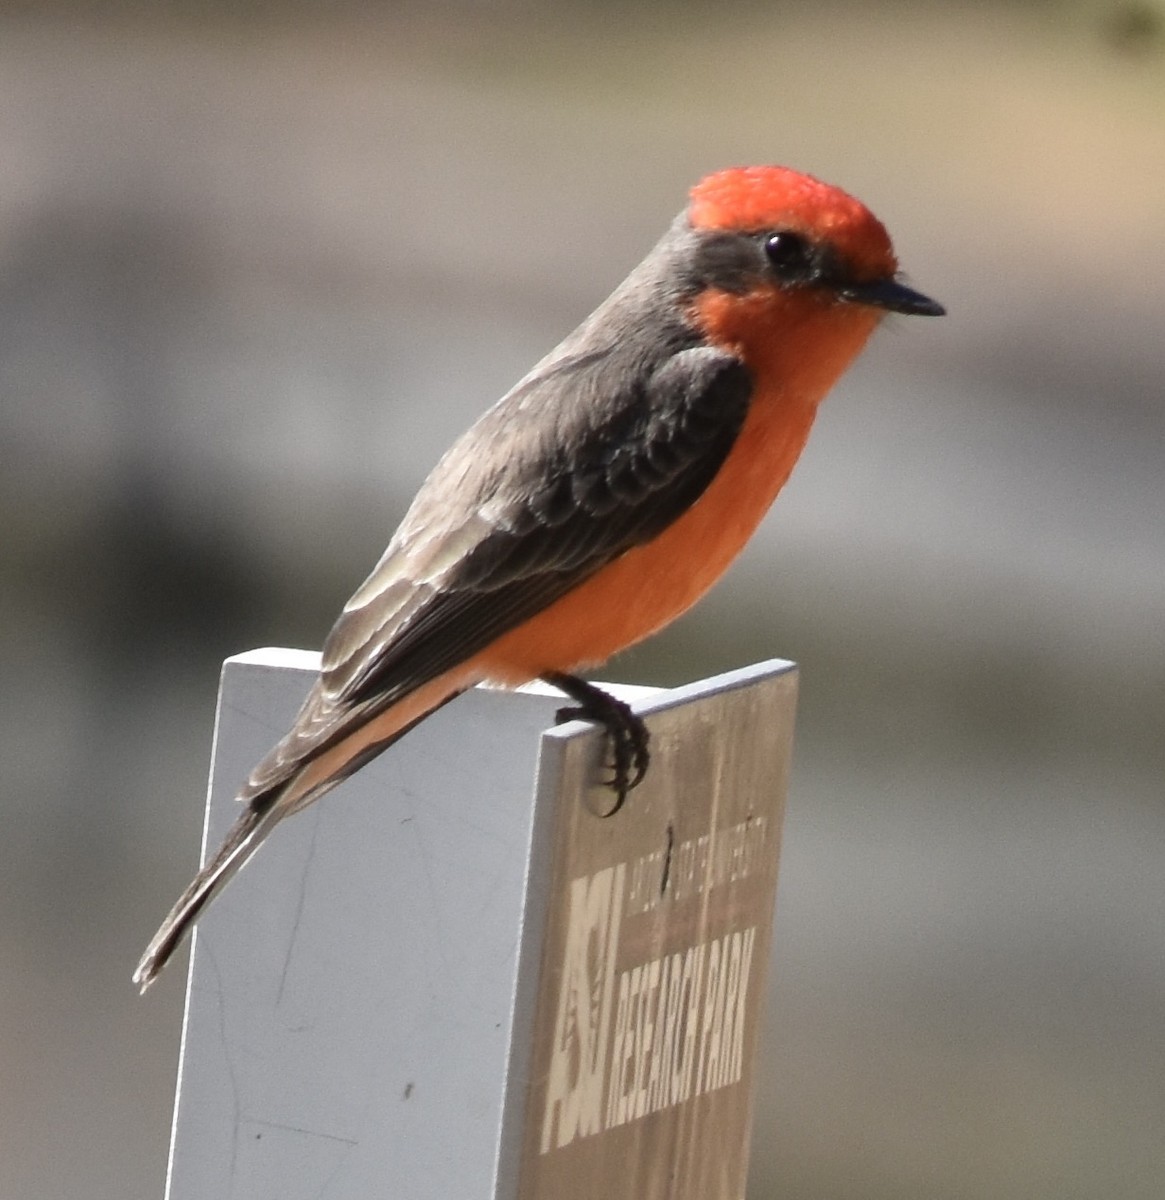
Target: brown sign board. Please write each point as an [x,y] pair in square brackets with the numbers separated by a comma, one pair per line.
[652,954]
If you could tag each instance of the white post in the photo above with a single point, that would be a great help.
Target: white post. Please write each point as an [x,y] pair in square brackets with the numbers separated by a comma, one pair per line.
[392,999]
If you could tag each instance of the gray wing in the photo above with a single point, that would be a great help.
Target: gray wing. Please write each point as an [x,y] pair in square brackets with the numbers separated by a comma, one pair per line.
[581,462]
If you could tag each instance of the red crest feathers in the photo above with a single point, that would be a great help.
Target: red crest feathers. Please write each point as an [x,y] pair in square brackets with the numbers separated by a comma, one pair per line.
[750,199]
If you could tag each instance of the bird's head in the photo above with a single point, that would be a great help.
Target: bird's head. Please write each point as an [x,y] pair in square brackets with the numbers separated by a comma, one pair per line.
[771,228]
[788,272]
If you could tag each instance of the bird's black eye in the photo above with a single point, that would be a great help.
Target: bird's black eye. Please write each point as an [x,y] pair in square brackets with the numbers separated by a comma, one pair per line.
[789,254]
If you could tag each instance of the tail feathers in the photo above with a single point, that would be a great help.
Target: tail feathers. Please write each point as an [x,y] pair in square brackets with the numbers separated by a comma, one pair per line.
[241,841]
[298,784]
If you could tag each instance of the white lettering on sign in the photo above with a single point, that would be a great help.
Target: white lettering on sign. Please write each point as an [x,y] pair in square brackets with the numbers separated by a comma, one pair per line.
[661,1032]
[679,1027]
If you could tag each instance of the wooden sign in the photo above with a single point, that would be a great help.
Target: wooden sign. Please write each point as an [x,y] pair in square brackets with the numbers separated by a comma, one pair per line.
[654,960]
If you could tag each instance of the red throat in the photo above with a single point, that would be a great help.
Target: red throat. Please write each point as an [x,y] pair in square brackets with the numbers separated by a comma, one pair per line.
[797,343]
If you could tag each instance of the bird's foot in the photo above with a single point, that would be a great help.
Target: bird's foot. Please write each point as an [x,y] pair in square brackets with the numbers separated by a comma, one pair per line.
[628,733]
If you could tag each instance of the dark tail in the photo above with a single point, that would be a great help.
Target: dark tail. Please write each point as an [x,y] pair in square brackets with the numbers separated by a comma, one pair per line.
[241,842]
[275,799]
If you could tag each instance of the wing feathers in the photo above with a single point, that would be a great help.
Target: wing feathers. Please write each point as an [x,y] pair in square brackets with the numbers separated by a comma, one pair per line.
[466,567]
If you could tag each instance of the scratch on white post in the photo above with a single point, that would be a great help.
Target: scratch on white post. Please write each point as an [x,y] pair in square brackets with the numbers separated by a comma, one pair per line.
[236,1116]
[307,865]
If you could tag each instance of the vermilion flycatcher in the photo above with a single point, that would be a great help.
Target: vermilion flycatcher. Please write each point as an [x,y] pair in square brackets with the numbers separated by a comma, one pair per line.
[601,497]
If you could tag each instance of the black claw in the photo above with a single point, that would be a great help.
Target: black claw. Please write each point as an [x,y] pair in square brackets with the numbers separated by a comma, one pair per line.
[628,733]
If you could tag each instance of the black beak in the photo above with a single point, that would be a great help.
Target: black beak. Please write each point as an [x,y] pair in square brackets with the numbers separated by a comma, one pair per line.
[892,296]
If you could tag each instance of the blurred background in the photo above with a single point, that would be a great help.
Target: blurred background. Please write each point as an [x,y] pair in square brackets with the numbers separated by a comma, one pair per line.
[260,262]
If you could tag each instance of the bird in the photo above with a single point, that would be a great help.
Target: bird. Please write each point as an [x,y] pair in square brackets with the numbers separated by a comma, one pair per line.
[599,498]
